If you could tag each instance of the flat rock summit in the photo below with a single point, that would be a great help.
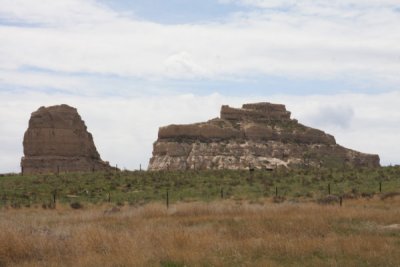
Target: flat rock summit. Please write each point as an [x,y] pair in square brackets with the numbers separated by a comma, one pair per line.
[57,140]
[260,135]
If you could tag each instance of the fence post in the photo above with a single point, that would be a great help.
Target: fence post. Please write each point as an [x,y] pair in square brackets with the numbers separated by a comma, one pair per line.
[341,200]
[276,191]
[140,167]
[54,197]
[222,192]
[380,187]
[167,199]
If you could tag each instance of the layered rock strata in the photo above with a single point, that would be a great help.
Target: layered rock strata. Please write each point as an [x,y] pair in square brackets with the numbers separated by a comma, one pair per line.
[260,135]
[57,140]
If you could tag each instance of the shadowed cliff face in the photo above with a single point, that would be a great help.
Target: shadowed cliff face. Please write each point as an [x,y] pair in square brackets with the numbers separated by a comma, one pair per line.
[260,135]
[57,140]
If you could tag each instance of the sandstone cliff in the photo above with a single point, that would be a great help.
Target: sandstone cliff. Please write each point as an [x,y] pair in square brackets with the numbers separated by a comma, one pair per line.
[57,141]
[260,135]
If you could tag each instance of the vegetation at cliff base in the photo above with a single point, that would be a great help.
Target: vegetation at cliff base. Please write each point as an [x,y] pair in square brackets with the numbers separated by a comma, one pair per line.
[140,187]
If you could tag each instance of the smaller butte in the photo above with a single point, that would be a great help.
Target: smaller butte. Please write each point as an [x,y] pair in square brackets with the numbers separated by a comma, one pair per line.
[57,140]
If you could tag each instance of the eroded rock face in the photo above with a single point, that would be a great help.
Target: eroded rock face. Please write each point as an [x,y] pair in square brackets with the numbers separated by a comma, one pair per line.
[260,135]
[57,141]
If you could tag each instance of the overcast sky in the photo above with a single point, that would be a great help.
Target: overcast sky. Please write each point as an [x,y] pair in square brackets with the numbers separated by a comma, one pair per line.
[132,66]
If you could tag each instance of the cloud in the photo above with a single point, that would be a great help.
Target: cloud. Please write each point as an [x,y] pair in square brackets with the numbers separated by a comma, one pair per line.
[182,65]
[334,116]
[307,3]
[41,80]
[55,13]
[310,40]
[91,53]
[372,127]
[124,128]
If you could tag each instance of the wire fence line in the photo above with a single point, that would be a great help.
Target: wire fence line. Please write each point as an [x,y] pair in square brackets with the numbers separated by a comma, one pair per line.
[325,193]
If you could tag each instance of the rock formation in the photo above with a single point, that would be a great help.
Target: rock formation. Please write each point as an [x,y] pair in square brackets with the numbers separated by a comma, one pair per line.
[57,141]
[260,135]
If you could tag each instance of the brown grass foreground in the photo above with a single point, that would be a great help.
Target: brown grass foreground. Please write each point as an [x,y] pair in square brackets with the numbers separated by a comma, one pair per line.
[224,233]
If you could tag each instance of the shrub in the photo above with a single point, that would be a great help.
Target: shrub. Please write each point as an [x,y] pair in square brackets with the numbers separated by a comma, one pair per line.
[328,200]
[76,205]
[390,195]
[278,199]
[367,195]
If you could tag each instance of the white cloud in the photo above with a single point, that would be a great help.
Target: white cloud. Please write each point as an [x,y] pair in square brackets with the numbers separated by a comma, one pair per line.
[355,39]
[39,80]
[124,129]
[374,124]
[55,13]
[336,116]
[308,3]
[315,39]
[182,65]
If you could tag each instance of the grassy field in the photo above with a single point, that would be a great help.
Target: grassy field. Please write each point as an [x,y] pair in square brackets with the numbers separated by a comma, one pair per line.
[140,187]
[214,218]
[363,232]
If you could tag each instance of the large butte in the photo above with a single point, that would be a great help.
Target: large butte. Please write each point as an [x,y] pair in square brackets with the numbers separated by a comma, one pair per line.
[57,140]
[260,135]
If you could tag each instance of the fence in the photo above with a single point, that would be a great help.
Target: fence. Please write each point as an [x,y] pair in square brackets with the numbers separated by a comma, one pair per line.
[141,187]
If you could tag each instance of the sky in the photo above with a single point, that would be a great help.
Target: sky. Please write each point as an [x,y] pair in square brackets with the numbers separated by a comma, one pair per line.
[133,66]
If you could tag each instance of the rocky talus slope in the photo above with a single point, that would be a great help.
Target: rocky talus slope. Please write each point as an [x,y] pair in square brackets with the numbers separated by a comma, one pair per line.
[57,141]
[260,135]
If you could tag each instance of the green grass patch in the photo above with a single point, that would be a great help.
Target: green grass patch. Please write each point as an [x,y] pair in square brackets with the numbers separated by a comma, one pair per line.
[139,187]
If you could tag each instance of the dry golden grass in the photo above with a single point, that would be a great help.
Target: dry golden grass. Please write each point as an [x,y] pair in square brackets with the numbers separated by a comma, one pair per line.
[224,233]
